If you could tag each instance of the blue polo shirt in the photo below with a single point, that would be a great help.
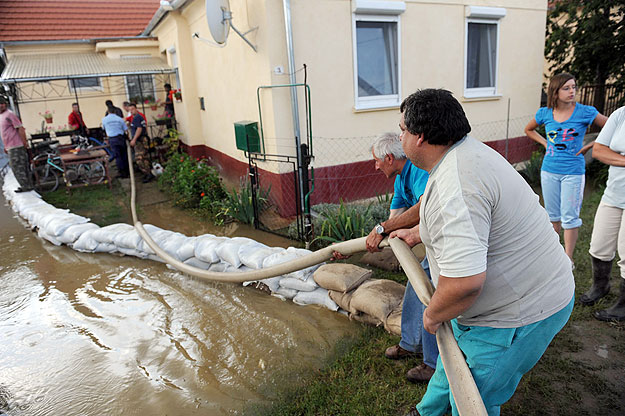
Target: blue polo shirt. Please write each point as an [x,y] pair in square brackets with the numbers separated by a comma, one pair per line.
[409,186]
[114,125]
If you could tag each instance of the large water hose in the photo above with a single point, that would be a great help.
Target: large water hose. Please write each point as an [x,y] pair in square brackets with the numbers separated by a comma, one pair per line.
[466,395]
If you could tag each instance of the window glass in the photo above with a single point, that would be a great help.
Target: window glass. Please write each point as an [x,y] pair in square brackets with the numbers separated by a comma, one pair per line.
[140,88]
[92,82]
[481,55]
[377,58]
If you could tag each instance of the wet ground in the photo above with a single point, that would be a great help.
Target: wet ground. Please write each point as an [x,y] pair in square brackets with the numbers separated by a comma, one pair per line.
[93,334]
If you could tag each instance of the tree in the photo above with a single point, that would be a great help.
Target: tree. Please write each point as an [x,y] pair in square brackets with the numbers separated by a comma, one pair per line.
[587,39]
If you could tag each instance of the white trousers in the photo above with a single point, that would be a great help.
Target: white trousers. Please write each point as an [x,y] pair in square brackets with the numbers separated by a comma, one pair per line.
[608,235]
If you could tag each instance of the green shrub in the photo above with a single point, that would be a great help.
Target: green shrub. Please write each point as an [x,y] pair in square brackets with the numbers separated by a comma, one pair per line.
[531,171]
[238,205]
[345,224]
[193,184]
[597,173]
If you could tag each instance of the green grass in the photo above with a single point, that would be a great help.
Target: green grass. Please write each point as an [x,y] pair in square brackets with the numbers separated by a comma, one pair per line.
[102,205]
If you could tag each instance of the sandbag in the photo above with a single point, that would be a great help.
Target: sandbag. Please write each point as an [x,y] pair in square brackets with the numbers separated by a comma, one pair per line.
[128,239]
[272,283]
[284,293]
[131,252]
[171,242]
[365,319]
[393,322]
[318,296]
[105,248]
[228,250]
[219,267]
[343,300]
[341,277]
[86,243]
[254,255]
[287,255]
[378,298]
[52,239]
[195,262]
[205,248]
[73,232]
[384,260]
[307,285]
[59,223]
[108,234]
[187,249]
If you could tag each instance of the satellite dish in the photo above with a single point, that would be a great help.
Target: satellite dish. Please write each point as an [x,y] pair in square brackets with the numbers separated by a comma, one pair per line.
[219,19]
[218,16]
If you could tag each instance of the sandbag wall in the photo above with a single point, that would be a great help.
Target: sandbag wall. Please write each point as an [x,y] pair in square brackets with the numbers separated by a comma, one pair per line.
[370,301]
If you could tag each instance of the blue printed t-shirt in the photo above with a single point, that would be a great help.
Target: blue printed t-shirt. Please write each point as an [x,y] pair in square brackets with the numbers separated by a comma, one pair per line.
[137,121]
[409,186]
[565,139]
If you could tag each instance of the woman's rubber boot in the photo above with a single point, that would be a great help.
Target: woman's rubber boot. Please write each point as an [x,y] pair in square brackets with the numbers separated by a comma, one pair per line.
[600,282]
[617,311]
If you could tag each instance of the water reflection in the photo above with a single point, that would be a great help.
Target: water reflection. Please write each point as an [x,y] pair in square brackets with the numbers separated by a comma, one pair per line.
[92,334]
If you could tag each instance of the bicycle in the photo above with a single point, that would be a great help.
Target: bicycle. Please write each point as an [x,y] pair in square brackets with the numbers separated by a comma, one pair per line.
[47,173]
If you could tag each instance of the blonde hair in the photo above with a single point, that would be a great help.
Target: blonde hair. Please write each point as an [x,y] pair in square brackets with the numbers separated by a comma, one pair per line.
[556,82]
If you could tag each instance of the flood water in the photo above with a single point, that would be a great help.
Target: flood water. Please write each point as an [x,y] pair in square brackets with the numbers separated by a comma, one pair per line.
[97,334]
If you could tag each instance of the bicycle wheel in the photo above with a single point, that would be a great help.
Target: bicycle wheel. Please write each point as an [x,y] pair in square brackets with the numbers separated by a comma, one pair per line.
[92,173]
[46,179]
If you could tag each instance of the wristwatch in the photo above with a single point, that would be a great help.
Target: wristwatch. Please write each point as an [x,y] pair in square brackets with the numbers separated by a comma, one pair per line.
[379,229]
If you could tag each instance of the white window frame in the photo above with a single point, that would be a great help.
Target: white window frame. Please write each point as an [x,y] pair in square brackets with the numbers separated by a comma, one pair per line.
[80,89]
[376,11]
[485,15]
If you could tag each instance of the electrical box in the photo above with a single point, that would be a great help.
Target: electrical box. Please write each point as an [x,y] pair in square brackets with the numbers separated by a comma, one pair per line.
[247,137]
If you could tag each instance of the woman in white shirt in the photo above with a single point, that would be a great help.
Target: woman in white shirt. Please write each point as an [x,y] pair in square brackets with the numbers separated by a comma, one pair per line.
[608,234]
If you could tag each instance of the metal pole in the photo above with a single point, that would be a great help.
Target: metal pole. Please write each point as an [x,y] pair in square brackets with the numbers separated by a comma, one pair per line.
[294,104]
[507,127]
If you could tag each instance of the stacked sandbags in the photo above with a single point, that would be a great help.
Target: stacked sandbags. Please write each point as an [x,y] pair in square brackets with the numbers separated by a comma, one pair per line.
[371,301]
[213,253]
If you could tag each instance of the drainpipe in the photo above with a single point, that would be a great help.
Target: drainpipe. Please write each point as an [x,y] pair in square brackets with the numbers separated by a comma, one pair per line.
[294,105]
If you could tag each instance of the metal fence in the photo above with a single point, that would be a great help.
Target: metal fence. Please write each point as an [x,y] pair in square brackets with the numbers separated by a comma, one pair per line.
[605,98]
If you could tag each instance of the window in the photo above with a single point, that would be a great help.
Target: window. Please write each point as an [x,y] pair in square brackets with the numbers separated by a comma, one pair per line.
[79,84]
[481,51]
[377,76]
[140,88]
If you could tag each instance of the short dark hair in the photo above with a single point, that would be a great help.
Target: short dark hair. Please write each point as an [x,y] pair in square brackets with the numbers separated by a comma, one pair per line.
[132,104]
[437,115]
[75,104]
[168,85]
[108,103]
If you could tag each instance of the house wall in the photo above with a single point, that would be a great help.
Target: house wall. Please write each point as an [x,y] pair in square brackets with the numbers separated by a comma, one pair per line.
[56,96]
[432,36]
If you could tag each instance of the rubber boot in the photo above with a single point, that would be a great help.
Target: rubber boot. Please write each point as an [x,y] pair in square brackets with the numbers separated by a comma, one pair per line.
[601,282]
[617,311]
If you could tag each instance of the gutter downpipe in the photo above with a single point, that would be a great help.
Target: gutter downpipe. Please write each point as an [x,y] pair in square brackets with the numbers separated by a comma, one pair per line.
[294,105]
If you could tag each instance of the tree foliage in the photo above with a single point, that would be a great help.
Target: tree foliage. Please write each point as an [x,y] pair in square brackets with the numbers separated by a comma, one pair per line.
[587,39]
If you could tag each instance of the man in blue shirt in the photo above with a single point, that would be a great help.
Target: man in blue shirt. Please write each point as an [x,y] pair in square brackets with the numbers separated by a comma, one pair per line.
[138,132]
[410,184]
[116,130]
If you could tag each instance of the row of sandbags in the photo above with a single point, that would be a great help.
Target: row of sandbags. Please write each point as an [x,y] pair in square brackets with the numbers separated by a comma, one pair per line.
[333,286]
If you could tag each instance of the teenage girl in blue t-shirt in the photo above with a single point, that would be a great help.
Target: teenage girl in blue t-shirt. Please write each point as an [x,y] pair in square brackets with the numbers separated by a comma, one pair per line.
[562,174]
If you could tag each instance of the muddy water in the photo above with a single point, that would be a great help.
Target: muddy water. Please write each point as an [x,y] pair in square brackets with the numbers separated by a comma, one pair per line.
[94,334]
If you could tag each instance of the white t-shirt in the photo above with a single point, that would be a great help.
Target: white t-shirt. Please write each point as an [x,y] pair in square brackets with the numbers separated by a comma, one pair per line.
[478,214]
[613,136]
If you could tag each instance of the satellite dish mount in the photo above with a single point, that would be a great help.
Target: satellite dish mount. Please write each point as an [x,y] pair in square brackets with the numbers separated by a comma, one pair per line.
[219,19]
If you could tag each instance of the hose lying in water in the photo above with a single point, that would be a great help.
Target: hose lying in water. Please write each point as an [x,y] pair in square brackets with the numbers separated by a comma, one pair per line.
[466,395]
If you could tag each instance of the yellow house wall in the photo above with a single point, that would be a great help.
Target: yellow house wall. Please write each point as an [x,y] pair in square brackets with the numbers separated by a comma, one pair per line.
[60,97]
[432,36]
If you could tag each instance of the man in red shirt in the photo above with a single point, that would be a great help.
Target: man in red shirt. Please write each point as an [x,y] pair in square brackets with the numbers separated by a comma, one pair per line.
[128,119]
[76,121]
[15,144]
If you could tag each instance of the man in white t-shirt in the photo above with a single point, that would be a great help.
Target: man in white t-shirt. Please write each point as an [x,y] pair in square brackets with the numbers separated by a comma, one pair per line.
[501,276]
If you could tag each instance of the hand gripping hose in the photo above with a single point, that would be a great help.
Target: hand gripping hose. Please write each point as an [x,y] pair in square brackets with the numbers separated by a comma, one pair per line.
[466,395]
